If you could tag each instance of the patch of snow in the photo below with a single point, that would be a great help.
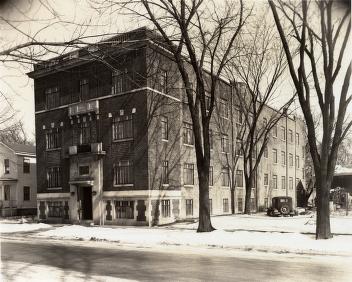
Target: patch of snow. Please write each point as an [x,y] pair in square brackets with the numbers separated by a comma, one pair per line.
[21,227]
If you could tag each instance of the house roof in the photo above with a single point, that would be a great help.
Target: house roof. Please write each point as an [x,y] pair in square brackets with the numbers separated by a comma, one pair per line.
[20,148]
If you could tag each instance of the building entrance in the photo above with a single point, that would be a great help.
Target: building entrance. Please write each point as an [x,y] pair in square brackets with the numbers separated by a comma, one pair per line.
[86,202]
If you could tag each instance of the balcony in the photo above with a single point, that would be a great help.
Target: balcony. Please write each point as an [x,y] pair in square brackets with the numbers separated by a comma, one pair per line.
[83,108]
[93,148]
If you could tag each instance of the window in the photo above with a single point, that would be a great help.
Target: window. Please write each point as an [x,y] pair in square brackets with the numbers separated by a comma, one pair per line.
[189,207]
[303,151]
[211,139]
[297,181]
[26,193]
[225,205]
[274,181]
[211,179]
[224,143]
[6,166]
[188,174]
[240,205]
[225,176]
[84,89]
[239,151]
[283,182]
[303,173]
[84,133]
[122,127]
[297,138]
[164,128]
[290,159]
[118,79]
[207,101]
[165,208]
[7,192]
[124,209]
[123,173]
[165,173]
[265,122]
[290,133]
[275,131]
[239,116]
[83,170]
[52,97]
[224,108]
[55,209]
[53,138]
[266,152]
[53,177]
[162,81]
[26,165]
[283,133]
[239,178]
[297,161]
[188,134]
[211,206]
[283,157]
[266,179]
[290,183]
[275,156]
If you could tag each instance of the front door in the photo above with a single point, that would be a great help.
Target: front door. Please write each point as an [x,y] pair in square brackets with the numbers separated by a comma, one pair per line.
[87,211]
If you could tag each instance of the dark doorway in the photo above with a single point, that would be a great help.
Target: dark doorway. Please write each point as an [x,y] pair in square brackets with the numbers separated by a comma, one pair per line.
[86,198]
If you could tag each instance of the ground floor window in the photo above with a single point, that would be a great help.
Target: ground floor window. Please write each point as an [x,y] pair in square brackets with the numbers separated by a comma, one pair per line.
[124,209]
[7,192]
[26,193]
[240,204]
[225,205]
[165,208]
[266,203]
[55,209]
[189,207]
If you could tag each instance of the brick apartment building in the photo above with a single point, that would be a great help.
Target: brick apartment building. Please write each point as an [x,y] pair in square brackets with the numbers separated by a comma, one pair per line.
[115,142]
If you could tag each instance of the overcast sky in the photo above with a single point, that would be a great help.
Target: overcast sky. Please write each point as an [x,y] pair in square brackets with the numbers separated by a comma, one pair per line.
[54,23]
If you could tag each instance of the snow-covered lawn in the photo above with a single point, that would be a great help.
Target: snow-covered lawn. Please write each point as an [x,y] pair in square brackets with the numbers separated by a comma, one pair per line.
[261,222]
[240,240]
[12,228]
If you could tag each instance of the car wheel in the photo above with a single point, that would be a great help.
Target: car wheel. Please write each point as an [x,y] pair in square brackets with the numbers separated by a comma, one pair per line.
[285,210]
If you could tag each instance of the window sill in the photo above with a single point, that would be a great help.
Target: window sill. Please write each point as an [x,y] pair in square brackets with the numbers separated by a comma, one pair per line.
[123,185]
[165,140]
[53,149]
[54,188]
[188,145]
[188,185]
[165,185]
[122,140]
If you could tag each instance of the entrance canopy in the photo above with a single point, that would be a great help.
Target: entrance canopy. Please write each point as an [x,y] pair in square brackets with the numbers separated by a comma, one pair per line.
[343,178]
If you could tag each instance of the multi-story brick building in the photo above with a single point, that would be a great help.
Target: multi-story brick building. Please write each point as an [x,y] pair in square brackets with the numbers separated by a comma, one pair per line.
[115,142]
[18,185]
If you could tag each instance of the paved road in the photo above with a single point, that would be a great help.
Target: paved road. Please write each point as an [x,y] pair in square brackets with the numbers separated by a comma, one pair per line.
[73,261]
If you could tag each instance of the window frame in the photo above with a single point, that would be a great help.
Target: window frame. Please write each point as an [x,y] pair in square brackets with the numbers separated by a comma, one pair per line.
[122,128]
[188,174]
[119,173]
[26,193]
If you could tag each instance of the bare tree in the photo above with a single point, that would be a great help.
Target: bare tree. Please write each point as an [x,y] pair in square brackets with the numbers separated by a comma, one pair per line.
[194,32]
[259,65]
[320,48]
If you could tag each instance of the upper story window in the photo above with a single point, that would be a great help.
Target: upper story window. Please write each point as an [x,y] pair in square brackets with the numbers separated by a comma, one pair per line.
[122,127]
[297,161]
[83,170]
[239,116]
[266,152]
[225,176]
[274,181]
[188,134]
[265,122]
[52,97]
[53,138]
[239,178]
[224,108]
[211,139]
[123,173]
[207,100]
[275,155]
[211,178]
[188,174]
[53,177]
[6,166]
[239,151]
[26,165]
[290,133]
[224,143]
[162,81]
[84,89]
[283,133]
[290,158]
[118,79]
[283,157]
[164,128]
[85,133]
[297,138]
[165,173]
[266,179]
[275,131]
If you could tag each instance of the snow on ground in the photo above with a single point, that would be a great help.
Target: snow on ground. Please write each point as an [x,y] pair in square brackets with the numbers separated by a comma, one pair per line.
[243,240]
[12,227]
[261,222]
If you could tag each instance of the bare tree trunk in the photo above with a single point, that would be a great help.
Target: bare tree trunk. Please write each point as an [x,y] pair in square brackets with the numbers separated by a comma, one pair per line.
[204,212]
[323,213]
[247,202]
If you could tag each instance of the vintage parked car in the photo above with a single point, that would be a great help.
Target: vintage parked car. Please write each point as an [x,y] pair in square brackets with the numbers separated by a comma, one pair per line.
[281,206]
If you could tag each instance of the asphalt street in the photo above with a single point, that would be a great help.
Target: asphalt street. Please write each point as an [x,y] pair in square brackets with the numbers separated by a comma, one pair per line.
[18,257]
